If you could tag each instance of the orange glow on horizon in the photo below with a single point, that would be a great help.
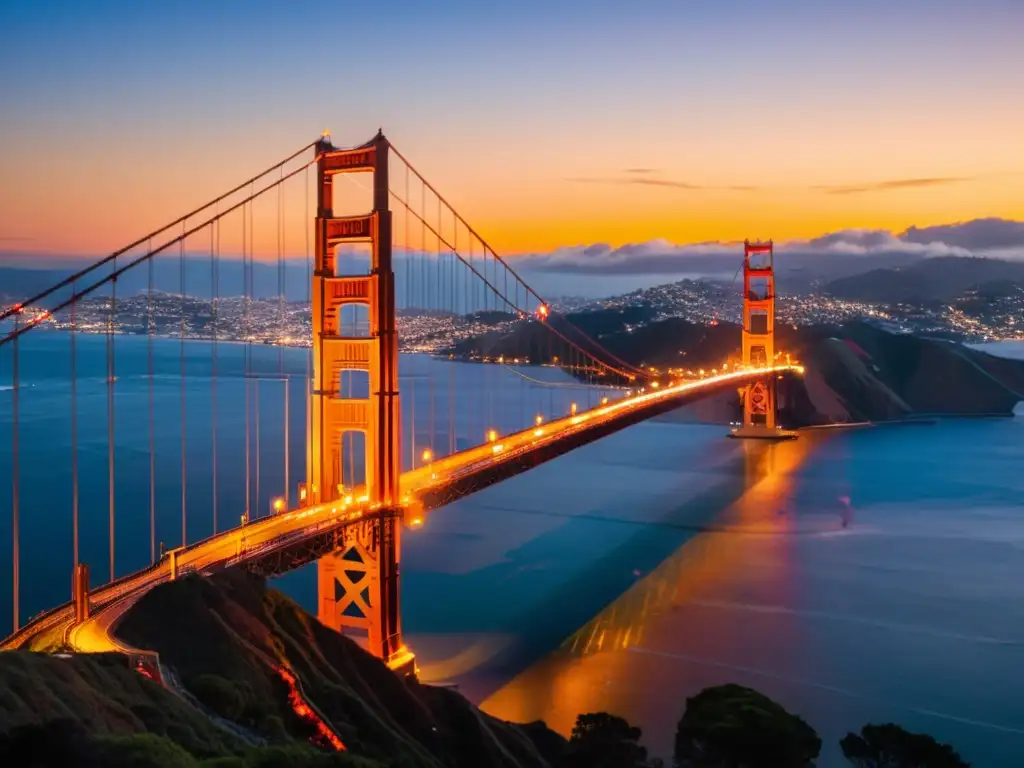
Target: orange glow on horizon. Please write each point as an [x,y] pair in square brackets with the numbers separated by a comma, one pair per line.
[547,212]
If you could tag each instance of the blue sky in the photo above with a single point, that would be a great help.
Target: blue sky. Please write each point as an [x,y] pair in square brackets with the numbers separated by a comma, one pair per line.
[142,109]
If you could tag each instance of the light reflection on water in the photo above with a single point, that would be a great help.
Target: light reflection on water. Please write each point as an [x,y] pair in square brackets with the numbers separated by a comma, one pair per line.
[579,676]
[914,613]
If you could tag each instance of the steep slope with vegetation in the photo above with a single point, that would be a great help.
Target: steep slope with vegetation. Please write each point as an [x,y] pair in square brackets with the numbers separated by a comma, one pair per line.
[229,638]
[101,695]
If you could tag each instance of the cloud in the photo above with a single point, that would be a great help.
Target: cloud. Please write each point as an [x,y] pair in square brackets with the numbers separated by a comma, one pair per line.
[830,252]
[885,186]
[976,235]
[639,177]
[651,257]
[647,177]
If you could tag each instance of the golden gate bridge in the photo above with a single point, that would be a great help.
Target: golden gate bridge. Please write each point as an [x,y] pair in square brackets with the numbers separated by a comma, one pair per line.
[363,482]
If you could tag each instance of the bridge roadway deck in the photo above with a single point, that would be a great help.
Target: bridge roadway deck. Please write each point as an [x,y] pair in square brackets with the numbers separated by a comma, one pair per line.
[430,486]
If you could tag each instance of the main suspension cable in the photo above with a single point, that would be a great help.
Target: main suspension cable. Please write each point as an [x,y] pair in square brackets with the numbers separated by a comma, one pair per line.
[118,271]
[472,267]
[180,220]
[473,233]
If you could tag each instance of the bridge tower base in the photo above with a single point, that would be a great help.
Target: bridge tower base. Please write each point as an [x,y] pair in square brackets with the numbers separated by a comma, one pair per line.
[358,584]
[358,589]
[760,409]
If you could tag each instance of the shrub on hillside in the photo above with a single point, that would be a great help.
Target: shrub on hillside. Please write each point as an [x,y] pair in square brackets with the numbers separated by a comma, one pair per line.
[890,746]
[730,725]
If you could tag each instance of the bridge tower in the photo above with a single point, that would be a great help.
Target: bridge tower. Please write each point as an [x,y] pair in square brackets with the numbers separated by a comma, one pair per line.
[358,584]
[759,397]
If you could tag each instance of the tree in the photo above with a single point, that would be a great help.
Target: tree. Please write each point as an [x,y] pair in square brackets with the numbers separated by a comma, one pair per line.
[890,746]
[605,741]
[138,750]
[55,742]
[729,726]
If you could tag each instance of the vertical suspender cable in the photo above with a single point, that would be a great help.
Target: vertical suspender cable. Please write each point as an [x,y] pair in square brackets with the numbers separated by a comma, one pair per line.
[245,353]
[412,418]
[405,243]
[423,248]
[252,299]
[287,480]
[451,408]
[15,485]
[455,288]
[423,238]
[256,426]
[256,381]
[110,413]
[471,310]
[214,291]
[309,355]
[452,441]
[152,425]
[74,436]
[280,275]
[283,288]
[181,362]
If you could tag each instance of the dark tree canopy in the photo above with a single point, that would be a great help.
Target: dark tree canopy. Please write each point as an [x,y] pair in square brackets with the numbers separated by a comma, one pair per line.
[605,741]
[730,726]
[890,746]
[57,742]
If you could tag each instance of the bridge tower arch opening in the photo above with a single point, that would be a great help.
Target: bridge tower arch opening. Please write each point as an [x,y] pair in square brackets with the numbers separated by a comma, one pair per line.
[358,583]
[760,407]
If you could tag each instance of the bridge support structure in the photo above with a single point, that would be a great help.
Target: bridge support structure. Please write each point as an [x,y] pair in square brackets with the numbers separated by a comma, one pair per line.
[358,584]
[80,592]
[760,408]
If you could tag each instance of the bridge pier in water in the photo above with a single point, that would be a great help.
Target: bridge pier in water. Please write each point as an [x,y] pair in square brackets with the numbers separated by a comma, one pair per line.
[358,584]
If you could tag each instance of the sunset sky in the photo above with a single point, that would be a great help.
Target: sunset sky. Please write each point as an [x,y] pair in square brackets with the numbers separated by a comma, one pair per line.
[548,124]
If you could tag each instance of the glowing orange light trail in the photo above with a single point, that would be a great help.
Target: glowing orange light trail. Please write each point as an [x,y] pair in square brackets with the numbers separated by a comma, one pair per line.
[323,733]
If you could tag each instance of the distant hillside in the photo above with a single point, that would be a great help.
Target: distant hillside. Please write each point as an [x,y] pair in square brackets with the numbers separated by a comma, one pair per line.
[876,375]
[931,280]
[855,372]
[227,637]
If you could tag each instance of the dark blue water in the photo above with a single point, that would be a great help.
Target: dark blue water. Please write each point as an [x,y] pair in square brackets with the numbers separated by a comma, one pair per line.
[913,613]
[624,576]
[486,397]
